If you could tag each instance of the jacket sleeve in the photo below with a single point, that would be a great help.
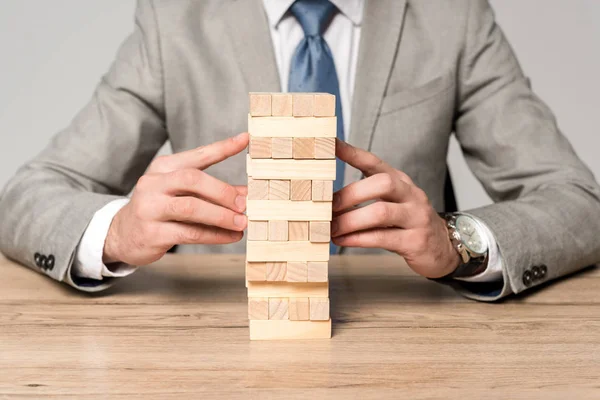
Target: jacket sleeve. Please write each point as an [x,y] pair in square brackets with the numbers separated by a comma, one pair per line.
[546,219]
[98,158]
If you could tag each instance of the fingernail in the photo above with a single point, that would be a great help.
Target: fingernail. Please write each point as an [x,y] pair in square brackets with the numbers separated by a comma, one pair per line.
[240,202]
[239,136]
[240,221]
[334,227]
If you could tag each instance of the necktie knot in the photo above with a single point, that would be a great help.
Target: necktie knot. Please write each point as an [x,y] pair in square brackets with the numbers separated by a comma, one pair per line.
[313,15]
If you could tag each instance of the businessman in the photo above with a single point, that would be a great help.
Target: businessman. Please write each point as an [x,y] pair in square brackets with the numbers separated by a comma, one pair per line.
[407,75]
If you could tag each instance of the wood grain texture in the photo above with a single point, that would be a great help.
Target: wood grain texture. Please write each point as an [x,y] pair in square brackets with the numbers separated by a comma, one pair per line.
[299,309]
[301,190]
[291,169]
[292,126]
[258,189]
[298,231]
[325,148]
[319,308]
[276,271]
[303,104]
[297,271]
[258,308]
[322,190]
[258,230]
[290,330]
[288,251]
[281,147]
[260,104]
[317,271]
[324,105]
[260,147]
[287,289]
[278,308]
[303,148]
[279,189]
[257,271]
[281,104]
[278,231]
[320,232]
[178,329]
[288,210]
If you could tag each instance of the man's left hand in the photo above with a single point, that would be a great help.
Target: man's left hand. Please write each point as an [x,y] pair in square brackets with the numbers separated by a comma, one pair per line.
[401,218]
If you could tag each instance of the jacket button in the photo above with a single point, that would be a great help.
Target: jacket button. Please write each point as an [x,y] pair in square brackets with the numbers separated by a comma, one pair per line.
[527,278]
[543,271]
[36,259]
[50,262]
[536,273]
[42,263]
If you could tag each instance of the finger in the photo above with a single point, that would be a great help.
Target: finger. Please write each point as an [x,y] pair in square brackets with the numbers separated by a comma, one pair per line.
[376,215]
[181,233]
[200,184]
[194,210]
[367,162]
[201,157]
[243,190]
[379,186]
[382,238]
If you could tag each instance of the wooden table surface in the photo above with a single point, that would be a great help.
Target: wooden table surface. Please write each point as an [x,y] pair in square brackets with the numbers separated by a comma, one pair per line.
[178,330]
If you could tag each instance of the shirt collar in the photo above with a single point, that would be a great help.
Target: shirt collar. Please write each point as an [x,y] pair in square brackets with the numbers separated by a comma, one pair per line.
[276,10]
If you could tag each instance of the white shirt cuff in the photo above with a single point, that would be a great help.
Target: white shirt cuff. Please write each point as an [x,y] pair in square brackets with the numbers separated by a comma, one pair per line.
[90,251]
[493,272]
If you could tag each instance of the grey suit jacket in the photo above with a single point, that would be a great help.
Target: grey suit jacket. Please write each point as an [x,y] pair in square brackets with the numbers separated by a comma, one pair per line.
[426,69]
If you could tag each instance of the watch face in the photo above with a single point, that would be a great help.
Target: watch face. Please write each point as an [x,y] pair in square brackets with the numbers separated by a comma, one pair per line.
[470,234]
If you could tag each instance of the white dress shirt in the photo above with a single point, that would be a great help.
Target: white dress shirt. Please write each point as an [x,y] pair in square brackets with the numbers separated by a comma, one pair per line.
[343,38]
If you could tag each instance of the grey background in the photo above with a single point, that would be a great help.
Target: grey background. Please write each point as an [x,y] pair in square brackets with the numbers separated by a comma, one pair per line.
[54,53]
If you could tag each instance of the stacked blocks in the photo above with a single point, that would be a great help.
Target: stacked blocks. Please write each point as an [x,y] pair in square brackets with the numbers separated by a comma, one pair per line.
[291,169]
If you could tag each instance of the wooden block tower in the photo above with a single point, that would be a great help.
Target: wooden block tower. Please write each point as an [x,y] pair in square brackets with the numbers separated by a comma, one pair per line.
[291,169]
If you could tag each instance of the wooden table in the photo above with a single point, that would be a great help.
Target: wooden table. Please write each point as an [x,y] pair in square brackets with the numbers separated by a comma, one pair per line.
[178,330]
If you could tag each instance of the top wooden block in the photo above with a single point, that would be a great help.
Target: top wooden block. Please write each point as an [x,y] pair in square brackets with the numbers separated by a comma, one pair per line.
[292,104]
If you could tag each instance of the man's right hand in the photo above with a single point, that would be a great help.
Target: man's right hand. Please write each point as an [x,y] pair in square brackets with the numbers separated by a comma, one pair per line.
[175,202]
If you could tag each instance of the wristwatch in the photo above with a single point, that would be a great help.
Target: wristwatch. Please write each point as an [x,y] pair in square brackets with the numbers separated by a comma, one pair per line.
[468,238]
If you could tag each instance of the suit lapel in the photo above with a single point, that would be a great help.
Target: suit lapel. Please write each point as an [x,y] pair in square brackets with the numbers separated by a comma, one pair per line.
[249,33]
[382,27]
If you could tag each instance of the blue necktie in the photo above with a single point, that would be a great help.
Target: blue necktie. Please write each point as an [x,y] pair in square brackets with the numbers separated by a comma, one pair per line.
[313,69]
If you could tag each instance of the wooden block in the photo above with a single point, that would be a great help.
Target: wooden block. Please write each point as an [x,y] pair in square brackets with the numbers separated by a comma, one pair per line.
[281,105]
[297,271]
[301,190]
[288,289]
[322,190]
[281,147]
[279,189]
[288,251]
[278,308]
[287,210]
[319,308]
[258,230]
[258,308]
[298,231]
[320,232]
[260,104]
[325,148]
[299,309]
[291,169]
[324,105]
[303,104]
[276,271]
[289,330]
[278,231]
[258,189]
[256,271]
[260,147]
[318,271]
[292,127]
[304,148]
